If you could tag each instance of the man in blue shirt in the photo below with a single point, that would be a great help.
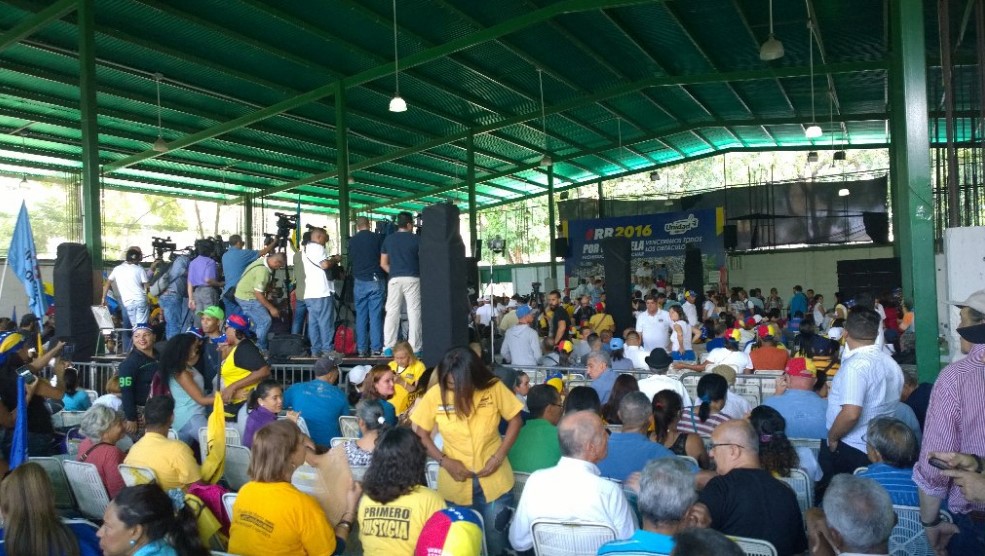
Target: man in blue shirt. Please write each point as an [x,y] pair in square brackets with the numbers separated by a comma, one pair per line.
[666,502]
[234,262]
[599,369]
[630,449]
[797,401]
[369,281]
[798,302]
[319,401]
[399,258]
[893,449]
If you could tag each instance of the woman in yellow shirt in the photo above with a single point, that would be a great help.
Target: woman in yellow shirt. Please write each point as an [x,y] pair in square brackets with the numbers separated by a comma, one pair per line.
[466,408]
[407,370]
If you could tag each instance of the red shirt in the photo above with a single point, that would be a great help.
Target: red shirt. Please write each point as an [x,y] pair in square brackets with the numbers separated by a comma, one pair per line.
[106,458]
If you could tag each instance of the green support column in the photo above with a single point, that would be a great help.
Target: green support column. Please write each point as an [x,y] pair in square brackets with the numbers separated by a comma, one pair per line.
[342,163]
[248,220]
[470,181]
[91,213]
[601,210]
[911,188]
[551,220]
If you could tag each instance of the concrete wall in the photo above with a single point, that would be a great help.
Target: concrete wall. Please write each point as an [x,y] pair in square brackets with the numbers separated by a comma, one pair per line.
[816,269]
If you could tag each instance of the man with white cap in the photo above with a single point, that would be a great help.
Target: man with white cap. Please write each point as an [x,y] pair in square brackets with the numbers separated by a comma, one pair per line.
[320,401]
[954,424]
[521,345]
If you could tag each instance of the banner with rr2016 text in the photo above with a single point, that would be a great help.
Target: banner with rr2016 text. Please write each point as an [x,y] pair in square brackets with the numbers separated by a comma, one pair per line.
[657,243]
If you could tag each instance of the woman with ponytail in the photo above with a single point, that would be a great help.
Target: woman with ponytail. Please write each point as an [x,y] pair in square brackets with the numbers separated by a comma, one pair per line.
[265,403]
[776,454]
[142,521]
[667,409]
[702,419]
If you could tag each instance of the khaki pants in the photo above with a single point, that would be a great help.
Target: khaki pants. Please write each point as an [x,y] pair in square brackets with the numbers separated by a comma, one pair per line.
[400,290]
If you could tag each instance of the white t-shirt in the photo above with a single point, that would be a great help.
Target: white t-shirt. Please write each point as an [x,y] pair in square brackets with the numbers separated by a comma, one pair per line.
[654,329]
[316,282]
[655,383]
[111,401]
[738,360]
[130,280]
[685,329]
[691,312]
[637,355]
[870,379]
[485,313]
[709,309]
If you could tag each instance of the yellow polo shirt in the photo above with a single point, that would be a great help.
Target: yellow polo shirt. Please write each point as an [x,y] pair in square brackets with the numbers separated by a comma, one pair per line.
[171,460]
[600,322]
[471,440]
[402,399]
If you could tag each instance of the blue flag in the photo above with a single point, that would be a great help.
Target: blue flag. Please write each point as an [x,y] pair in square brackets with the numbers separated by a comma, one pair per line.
[18,448]
[23,260]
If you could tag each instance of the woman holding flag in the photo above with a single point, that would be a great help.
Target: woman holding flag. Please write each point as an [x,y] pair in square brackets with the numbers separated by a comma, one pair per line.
[17,374]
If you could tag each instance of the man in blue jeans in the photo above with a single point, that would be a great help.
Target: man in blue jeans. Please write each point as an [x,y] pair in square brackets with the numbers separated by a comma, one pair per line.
[251,294]
[368,284]
[319,293]
[234,261]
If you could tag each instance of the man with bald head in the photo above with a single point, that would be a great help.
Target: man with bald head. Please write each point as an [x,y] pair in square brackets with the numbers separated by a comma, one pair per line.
[572,490]
[368,287]
[745,500]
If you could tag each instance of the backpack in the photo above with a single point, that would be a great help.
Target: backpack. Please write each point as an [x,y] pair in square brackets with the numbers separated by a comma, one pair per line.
[158,387]
[345,340]
[161,280]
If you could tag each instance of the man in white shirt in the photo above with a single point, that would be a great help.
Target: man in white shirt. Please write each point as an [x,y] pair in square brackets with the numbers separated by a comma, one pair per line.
[633,350]
[521,345]
[131,281]
[654,324]
[319,293]
[573,490]
[659,361]
[484,312]
[690,310]
[868,385]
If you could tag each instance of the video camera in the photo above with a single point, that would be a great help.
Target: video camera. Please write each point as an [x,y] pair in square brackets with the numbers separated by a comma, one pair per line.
[286,223]
[212,247]
[162,245]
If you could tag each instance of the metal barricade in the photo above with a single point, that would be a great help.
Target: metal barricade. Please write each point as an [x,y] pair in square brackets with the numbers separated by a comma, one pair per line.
[94,374]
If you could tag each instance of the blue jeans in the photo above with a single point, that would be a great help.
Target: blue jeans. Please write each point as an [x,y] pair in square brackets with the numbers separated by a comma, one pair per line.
[300,311]
[369,314]
[321,323]
[496,517]
[176,313]
[970,538]
[260,317]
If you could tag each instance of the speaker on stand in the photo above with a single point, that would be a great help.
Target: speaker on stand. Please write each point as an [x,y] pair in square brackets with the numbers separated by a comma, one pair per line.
[74,297]
[444,296]
[618,281]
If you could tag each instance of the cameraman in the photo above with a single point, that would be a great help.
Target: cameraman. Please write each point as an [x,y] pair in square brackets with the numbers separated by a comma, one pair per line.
[173,300]
[131,280]
[234,262]
[203,281]
[319,293]
[251,294]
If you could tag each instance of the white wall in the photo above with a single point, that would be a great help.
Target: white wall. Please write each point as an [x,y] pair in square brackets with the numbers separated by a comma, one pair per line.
[815,269]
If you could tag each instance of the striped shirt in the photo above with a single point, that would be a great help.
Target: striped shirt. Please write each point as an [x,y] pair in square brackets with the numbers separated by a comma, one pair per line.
[690,422]
[955,423]
[898,482]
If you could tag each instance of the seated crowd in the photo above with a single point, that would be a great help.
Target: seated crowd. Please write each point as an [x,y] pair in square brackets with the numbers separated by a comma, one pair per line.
[600,430]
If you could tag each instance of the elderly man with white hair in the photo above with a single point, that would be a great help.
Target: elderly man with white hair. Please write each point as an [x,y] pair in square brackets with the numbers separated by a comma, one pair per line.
[599,370]
[857,518]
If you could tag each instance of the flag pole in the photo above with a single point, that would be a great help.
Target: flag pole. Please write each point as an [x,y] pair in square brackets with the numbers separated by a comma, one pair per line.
[3,278]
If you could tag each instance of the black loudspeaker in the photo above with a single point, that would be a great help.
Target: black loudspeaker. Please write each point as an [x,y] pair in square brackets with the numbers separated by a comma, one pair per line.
[730,236]
[444,295]
[618,281]
[285,346]
[876,226]
[472,285]
[561,247]
[693,270]
[74,295]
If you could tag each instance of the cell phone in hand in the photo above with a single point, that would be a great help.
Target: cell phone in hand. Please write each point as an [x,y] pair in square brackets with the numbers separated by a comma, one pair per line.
[938,463]
[29,377]
[68,350]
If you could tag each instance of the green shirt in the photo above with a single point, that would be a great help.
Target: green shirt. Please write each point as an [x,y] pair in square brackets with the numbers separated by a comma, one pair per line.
[536,447]
[254,279]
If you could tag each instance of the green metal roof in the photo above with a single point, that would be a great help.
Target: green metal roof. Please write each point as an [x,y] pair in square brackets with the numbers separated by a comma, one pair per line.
[248,91]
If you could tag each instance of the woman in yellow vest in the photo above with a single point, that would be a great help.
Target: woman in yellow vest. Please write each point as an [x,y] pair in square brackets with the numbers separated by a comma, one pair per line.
[466,409]
[407,370]
[243,368]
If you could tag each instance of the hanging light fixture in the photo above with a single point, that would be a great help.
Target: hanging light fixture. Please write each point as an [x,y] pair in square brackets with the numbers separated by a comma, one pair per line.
[546,160]
[397,103]
[839,156]
[813,130]
[772,49]
[654,176]
[160,145]
[812,157]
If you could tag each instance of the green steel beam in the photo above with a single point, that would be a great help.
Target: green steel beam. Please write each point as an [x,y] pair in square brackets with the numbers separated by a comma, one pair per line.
[550,221]
[470,181]
[586,100]
[247,230]
[913,199]
[28,26]
[89,127]
[342,164]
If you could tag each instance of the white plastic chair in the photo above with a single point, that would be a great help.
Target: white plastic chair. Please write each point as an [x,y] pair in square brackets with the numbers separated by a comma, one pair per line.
[134,475]
[431,472]
[482,529]
[860,470]
[237,464]
[228,500]
[690,461]
[67,419]
[233,438]
[64,498]
[92,395]
[755,547]
[172,434]
[813,443]
[614,428]
[340,440]
[570,538]
[908,537]
[803,487]
[88,488]
[519,481]
[349,425]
